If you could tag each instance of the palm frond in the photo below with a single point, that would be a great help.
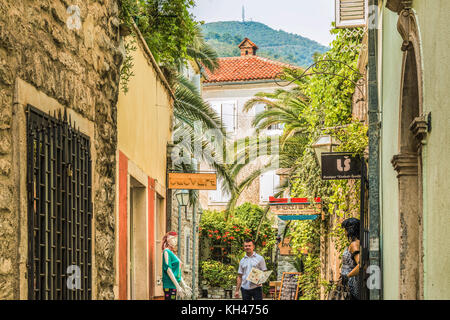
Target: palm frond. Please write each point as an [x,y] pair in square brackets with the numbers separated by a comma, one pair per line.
[202,53]
[189,104]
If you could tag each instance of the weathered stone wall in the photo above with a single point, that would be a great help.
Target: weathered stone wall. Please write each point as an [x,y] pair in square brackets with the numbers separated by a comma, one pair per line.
[80,69]
[216,292]
[186,228]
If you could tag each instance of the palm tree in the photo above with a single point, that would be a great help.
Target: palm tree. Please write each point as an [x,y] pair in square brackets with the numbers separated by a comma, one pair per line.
[189,107]
[285,107]
[190,110]
[202,53]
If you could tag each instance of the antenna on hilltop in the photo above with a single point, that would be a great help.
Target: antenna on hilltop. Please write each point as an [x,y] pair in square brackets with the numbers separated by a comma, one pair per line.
[243,14]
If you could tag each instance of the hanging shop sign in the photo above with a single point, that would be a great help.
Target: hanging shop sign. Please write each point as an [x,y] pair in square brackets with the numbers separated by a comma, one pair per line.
[295,208]
[195,181]
[285,247]
[340,165]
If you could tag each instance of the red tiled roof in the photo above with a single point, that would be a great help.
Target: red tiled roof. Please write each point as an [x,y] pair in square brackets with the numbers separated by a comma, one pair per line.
[245,68]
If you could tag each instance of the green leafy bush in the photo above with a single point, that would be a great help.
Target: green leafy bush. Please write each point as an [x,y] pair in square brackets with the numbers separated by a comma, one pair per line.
[217,274]
[216,230]
[242,223]
[329,111]
[168,27]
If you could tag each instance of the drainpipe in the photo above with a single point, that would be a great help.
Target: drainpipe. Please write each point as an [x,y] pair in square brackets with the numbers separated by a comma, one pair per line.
[194,231]
[374,161]
[179,229]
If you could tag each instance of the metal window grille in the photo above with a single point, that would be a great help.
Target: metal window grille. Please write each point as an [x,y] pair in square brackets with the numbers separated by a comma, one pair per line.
[59,186]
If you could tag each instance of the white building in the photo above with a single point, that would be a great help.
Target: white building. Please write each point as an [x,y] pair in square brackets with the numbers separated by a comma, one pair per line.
[236,81]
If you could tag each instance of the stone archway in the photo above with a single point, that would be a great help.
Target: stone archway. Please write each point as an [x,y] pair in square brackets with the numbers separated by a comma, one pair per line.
[408,163]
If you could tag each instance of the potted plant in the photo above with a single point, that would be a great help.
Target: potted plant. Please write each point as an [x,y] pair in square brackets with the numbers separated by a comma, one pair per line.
[218,276]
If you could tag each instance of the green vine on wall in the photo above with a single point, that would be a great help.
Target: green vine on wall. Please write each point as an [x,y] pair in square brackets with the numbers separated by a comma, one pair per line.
[330,106]
[126,70]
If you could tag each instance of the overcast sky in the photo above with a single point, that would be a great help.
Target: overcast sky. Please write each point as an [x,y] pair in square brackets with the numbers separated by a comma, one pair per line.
[308,18]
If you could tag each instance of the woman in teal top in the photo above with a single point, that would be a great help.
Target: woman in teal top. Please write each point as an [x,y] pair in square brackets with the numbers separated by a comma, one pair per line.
[172,269]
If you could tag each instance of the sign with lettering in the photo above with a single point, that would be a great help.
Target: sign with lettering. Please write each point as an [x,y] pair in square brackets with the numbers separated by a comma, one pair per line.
[296,208]
[195,181]
[340,165]
[285,247]
[289,286]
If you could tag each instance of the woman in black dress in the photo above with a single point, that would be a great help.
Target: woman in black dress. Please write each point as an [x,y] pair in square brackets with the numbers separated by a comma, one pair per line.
[350,257]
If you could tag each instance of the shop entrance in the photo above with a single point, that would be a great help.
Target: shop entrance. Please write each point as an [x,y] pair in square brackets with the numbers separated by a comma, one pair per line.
[138,271]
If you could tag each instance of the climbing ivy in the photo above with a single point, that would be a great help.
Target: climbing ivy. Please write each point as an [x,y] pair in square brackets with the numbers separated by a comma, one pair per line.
[126,70]
[331,90]
[329,110]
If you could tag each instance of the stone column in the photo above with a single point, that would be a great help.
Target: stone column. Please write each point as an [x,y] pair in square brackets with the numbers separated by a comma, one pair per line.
[406,165]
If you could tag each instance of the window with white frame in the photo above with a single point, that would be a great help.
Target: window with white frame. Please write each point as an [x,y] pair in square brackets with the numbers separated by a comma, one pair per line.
[268,183]
[218,196]
[351,13]
[260,107]
[227,111]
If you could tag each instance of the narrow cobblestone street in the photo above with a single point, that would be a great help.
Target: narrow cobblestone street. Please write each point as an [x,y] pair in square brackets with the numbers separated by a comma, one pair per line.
[238,150]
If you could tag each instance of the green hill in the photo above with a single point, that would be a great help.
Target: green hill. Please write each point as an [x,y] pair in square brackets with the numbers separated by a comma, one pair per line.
[225,36]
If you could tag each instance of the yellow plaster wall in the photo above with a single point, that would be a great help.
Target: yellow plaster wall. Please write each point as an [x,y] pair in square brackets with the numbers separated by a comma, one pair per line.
[144,118]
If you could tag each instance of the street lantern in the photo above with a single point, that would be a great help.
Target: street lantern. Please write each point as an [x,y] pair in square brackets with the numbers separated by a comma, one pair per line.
[325,143]
[182,197]
[183,200]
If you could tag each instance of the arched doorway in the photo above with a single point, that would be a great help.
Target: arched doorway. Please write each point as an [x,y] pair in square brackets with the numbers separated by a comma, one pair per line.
[408,163]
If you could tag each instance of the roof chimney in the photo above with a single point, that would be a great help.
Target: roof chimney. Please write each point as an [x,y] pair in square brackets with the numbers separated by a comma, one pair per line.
[248,48]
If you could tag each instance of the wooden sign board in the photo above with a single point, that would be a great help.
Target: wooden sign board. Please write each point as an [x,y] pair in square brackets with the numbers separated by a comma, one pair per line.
[296,208]
[290,285]
[194,181]
[285,247]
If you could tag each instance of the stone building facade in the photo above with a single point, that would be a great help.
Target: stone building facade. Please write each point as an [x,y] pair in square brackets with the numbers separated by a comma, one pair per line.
[58,57]
[228,89]
[183,222]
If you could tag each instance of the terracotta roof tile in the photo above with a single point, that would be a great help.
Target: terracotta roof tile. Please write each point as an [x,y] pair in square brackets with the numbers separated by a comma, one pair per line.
[245,68]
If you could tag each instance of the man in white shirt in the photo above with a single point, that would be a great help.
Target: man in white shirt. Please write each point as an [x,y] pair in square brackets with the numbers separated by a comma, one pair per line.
[251,259]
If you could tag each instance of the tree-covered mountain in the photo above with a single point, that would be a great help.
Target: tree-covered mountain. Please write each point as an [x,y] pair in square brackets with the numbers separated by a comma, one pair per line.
[225,36]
